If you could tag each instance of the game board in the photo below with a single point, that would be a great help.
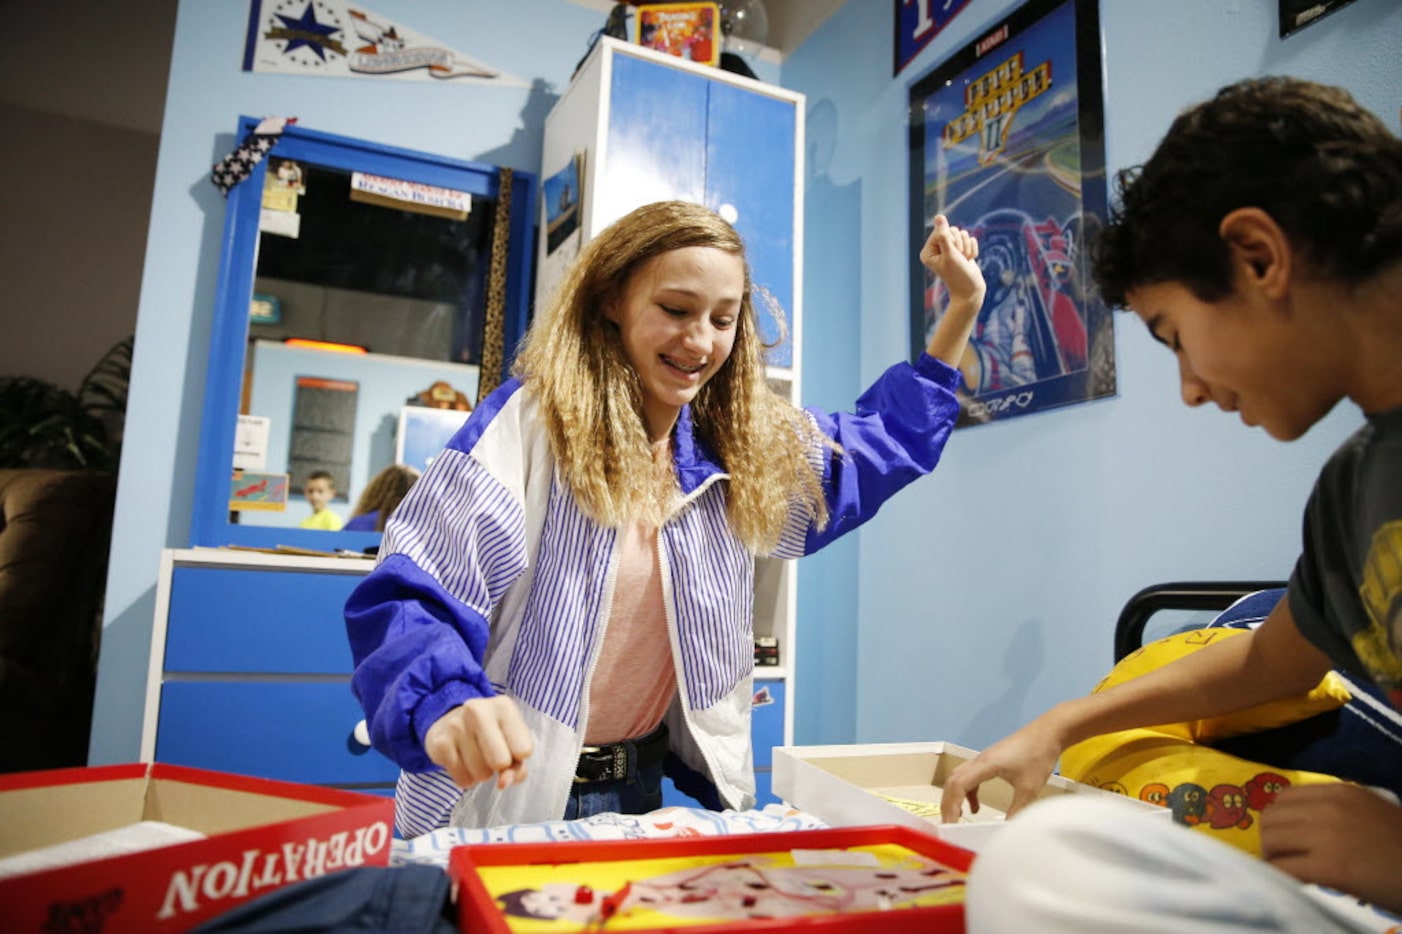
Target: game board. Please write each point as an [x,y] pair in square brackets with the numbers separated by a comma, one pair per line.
[835,880]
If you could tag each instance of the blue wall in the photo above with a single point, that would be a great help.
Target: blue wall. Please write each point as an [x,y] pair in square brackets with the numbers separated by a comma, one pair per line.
[990,591]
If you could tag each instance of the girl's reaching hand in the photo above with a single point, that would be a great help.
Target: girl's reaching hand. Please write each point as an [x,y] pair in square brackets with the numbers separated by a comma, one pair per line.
[952,254]
[483,738]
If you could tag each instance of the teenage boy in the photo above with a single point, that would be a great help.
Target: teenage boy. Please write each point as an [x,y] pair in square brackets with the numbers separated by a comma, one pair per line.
[1262,244]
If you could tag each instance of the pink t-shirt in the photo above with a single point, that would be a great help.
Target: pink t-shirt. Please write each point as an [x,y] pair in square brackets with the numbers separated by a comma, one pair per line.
[634,681]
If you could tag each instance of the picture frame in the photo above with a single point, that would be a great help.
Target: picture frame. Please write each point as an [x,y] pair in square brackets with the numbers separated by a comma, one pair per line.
[253,491]
[423,433]
[1007,140]
[322,430]
[1297,14]
[265,308]
[917,25]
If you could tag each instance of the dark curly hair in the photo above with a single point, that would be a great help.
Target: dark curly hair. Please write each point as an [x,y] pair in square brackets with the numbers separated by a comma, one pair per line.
[1328,171]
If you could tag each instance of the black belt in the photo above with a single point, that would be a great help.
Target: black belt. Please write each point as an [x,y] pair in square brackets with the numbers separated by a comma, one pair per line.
[611,763]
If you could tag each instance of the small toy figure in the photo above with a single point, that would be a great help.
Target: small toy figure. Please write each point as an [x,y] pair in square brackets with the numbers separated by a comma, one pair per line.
[442,395]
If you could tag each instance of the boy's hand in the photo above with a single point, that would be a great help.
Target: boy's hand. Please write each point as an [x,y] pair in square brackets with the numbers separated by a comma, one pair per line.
[1024,759]
[1340,836]
[952,253]
[483,738]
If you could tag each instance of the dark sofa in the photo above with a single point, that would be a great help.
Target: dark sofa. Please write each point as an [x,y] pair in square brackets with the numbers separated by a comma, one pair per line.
[55,529]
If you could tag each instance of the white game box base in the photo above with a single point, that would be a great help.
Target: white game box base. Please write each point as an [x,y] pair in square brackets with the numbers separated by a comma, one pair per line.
[900,783]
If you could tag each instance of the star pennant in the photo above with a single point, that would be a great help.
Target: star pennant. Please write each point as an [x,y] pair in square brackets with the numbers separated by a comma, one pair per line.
[335,38]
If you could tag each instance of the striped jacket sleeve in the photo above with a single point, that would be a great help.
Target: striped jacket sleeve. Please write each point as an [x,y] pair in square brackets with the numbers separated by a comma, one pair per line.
[895,434]
[418,624]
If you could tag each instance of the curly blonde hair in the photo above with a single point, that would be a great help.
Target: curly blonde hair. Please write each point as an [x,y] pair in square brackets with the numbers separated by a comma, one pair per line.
[384,491]
[591,398]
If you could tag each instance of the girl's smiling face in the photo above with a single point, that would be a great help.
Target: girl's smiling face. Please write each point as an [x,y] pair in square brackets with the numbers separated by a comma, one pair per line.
[676,318]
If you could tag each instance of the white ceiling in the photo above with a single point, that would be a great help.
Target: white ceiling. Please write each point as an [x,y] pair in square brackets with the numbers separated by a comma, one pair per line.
[108,62]
[792,21]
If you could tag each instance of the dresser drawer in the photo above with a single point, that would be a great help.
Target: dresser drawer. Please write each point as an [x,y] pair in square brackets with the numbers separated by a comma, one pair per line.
[237,620]
[295,731]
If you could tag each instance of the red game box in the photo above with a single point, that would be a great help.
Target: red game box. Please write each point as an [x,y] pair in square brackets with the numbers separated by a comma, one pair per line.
[890,879]
[259,835]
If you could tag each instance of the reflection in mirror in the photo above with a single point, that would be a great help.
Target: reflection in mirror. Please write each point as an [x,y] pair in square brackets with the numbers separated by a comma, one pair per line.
[356,283]
[403,283]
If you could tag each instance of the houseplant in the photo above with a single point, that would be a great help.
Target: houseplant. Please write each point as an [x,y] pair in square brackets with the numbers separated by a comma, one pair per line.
[43,425]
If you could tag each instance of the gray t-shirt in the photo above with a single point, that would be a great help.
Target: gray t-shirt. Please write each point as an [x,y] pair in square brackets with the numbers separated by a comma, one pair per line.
[1346,590]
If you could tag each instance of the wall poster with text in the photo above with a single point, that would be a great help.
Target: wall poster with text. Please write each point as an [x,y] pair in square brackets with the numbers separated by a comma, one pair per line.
[1007,140]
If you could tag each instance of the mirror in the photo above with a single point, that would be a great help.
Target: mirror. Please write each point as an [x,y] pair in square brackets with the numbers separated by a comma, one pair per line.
[355,287]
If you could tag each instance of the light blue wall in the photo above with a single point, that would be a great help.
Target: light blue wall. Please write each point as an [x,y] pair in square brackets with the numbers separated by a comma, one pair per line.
[383,384]
[990,591]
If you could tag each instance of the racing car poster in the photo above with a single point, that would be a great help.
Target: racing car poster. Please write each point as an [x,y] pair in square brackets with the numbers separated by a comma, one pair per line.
[1007,141]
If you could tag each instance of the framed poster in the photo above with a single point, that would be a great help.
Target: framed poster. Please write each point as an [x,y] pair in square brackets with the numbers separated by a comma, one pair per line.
[258,491]
[917,24]
[424,432]
[1297,14]
[1007,140]
[323,430]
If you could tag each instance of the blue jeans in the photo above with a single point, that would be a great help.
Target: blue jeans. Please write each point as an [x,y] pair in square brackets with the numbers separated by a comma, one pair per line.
[639,793]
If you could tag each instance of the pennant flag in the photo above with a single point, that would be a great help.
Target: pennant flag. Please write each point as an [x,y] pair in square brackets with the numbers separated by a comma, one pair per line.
[339,39]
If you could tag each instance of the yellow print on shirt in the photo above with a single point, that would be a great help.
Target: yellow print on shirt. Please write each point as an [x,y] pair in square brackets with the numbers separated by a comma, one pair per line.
[1380,645]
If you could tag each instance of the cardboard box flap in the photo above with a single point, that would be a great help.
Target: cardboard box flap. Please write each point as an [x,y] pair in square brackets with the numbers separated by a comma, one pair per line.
[43,816]
[76,803]
[219,810]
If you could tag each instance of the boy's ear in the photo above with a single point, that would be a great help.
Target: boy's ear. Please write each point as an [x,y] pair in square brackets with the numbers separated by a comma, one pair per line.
[1260,251]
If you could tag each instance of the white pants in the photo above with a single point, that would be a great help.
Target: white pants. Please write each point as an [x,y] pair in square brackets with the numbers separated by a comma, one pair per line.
[1084,864]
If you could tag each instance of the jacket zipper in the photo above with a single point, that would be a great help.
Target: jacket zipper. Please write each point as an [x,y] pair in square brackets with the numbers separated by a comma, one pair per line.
[610,581]
[679,663]
[595,650]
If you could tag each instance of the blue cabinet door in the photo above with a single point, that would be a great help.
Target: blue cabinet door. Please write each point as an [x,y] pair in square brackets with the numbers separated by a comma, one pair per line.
[237,620]
[767,720]
[675,134]
[764,788]
[293,731]
[656,137]
[750,167]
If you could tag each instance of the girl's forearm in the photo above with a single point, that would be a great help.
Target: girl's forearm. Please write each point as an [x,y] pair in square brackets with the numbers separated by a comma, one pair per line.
[952,333]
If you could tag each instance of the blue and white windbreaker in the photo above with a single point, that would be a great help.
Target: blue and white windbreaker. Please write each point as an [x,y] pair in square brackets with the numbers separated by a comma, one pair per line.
[491,580]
